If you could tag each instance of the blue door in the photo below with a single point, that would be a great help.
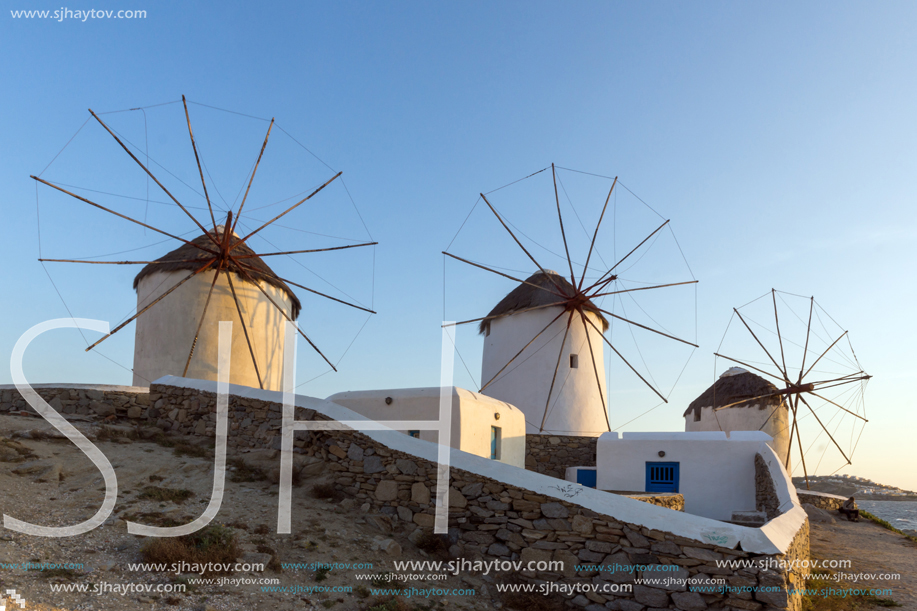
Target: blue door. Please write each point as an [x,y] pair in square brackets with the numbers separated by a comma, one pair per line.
[586,477]
[662,477]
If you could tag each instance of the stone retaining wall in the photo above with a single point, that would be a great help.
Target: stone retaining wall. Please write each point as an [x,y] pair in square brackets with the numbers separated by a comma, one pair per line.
[488,519]
[122,401]
[822,500]
[552,454]
[765,493]
[670,500]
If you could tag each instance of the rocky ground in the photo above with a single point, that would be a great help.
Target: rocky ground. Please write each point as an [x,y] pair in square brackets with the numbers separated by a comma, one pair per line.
[48,481]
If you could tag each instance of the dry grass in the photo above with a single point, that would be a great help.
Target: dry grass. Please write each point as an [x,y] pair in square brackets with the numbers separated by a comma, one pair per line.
[243,472]
[262,529]
[157,493]
[815,602]
[215,543]
[107,433]
[16,449]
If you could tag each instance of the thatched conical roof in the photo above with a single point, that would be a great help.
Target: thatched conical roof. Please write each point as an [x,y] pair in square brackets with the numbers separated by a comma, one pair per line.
[187,257]
[736,387]
[528,296]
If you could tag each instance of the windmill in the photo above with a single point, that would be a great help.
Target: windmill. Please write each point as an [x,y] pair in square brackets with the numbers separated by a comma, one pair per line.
[829,377]
[536,364]
[232,278]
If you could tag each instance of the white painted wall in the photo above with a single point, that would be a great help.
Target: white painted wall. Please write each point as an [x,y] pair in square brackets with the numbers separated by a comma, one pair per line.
[165,332]
[717,472]
[472,416]
[746,419]
[576,406]
[774,537]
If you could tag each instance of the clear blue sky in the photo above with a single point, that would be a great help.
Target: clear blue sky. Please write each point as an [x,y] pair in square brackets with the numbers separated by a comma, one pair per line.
[778,138]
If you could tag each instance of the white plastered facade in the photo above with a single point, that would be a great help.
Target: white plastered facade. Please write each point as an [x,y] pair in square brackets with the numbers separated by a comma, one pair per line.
[716,470]
[769,419]
[473,415]
[578,401]
[165,332]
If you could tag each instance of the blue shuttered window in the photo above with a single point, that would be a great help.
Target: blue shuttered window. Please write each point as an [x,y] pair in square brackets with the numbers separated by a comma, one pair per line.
[662,477]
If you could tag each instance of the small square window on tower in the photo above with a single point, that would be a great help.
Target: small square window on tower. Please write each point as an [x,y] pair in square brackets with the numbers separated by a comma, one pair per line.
[574,361]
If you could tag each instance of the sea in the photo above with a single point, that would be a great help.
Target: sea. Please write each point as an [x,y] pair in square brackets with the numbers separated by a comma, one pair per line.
[900,514]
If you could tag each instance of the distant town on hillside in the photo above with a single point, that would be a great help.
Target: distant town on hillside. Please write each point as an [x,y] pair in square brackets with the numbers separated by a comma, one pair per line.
[853,485]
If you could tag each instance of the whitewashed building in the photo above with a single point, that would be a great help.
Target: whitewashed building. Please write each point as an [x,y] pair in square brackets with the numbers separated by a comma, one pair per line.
[165,333]
[713,471]
[480,425]
[578,401]
[736,402]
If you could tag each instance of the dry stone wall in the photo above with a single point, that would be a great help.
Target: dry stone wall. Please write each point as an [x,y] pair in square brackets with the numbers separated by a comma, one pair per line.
[828,502]
[552,454]
[765,492]
[119,401]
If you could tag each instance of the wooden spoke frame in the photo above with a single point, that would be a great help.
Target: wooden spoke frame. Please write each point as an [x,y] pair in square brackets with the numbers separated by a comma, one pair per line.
[796,387]
[574,300]
[218,253]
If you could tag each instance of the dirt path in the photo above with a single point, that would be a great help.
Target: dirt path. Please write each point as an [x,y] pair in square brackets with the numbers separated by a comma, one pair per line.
[872,550]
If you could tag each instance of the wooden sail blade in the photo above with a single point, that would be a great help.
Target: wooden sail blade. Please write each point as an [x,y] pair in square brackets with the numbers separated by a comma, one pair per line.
[515,356]
[822,424]
[643,288]
[101,207]
[252,178]
[297,252]
[562,233]
[538,307]
[198,159]
[493,271]
[305,288]
[150,174]
[560,355]
[779,337]
[285,212]
[823,354]
[528,254]
[743,364]
[802,453]
[770,394]
[851,377]
[200,323]
[154,302]
[785,378]
[595,235]
[789,445]
[598,380]
[805,350]
[624,258]
[636,324]
[837,405]
[248,340]
[119,262]
[621,356]
[283,312]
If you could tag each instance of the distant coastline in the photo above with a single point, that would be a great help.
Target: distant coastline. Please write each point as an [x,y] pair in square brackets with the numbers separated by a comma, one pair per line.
[859,487]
